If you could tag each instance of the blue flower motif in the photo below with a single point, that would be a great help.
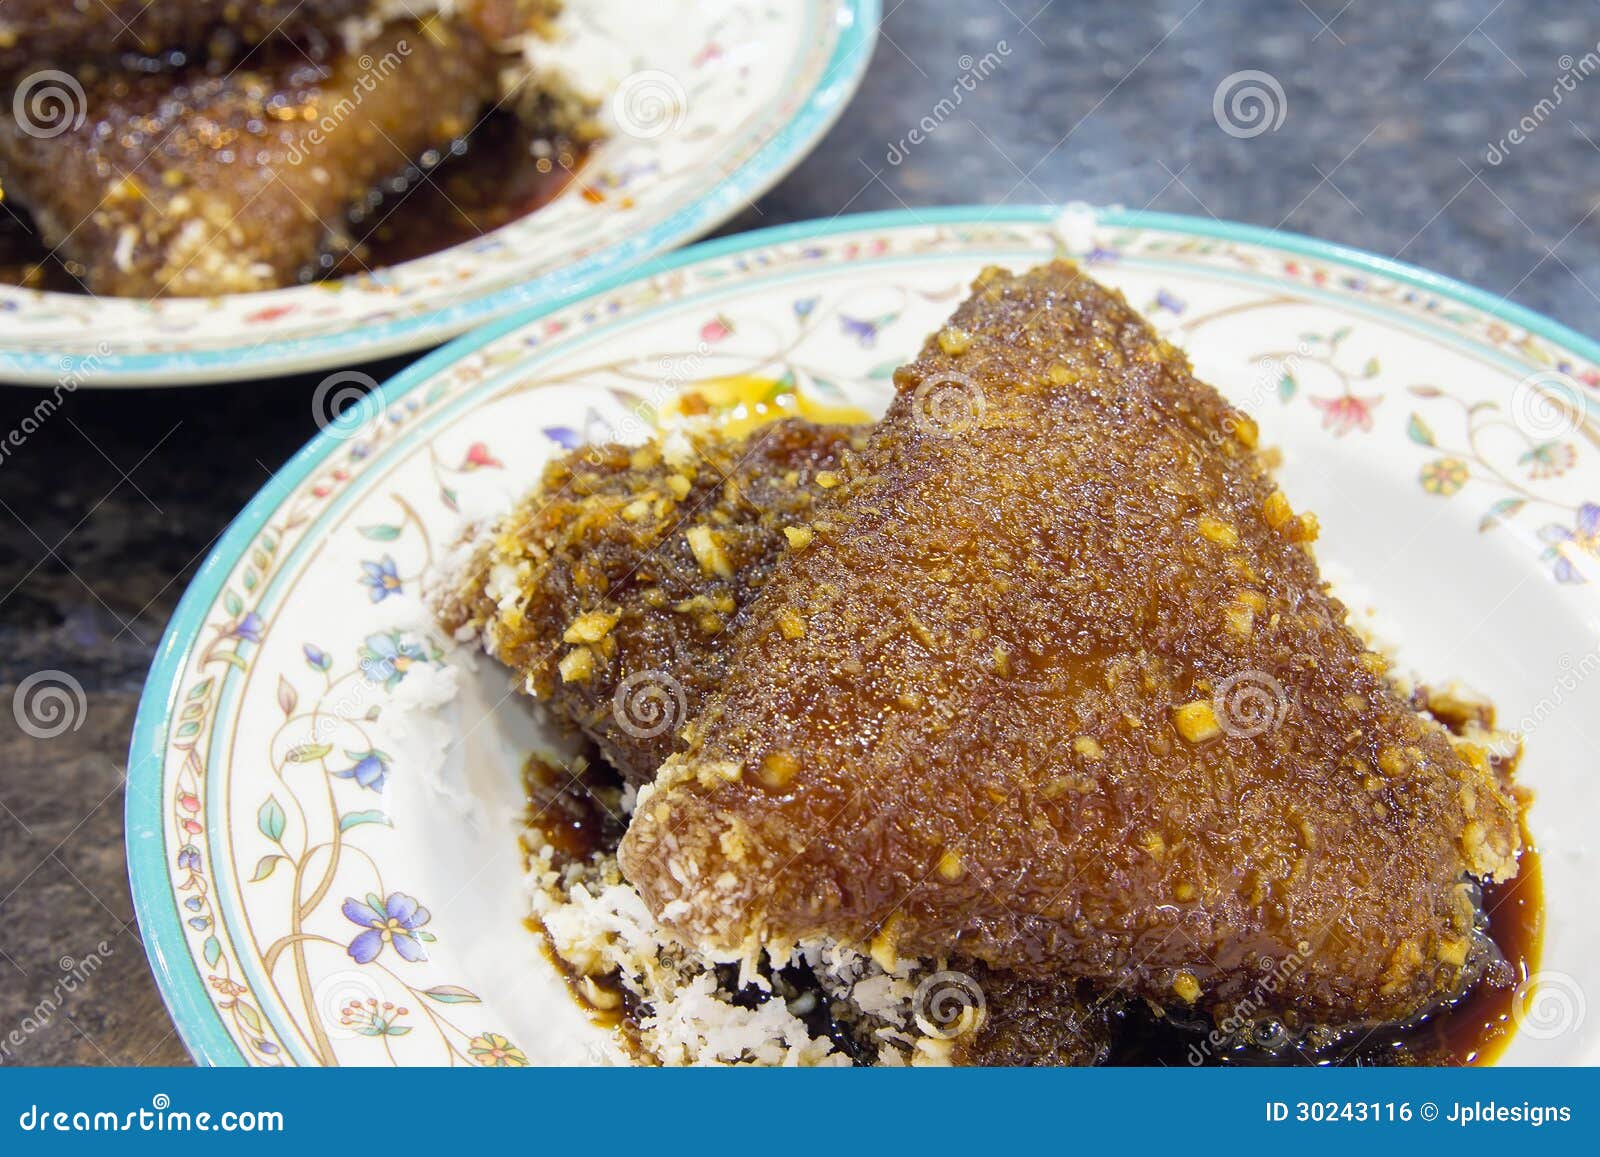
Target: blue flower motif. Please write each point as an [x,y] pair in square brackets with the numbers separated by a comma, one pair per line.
[1169,302]
[371,769]
[564,436]
[386,658]
[248,628]
[863,329]
[318,659]
[392,921]
[189,858]
[1565,546]
[382,577]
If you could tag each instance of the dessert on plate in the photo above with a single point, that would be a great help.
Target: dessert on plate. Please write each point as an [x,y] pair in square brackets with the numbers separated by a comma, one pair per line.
[207,147]
[1019,727]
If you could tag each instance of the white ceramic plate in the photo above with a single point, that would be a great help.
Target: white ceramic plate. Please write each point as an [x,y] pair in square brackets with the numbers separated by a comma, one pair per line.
[710,103]
[1447,442]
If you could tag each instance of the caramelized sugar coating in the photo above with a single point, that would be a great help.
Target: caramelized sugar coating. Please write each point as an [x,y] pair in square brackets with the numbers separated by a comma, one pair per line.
[1057,685]
[611,587]
[204,180]
[578,547]
[37,31]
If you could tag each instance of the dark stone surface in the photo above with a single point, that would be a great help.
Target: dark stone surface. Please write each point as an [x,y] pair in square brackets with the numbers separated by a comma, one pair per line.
[106,512]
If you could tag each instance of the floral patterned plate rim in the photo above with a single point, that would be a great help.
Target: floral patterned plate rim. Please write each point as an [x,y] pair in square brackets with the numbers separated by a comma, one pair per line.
[304,803]
[710,103]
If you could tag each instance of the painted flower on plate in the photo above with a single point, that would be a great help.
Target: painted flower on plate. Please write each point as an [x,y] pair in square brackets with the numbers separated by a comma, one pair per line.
[479,458]
[248,628]
[1444,476]
[1567,546]
[495,1051]
[385,658]
[382,578]
[369,1018]
[1346,413]
[393,921]
[1548,460]
[371,769]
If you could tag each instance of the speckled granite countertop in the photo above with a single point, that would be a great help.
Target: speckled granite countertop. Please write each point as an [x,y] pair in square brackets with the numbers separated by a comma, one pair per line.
[1392,114]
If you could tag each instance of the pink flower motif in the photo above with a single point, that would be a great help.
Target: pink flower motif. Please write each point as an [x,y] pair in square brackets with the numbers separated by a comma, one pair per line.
[716,329]
[1346,413]
[271,313]
[479,458]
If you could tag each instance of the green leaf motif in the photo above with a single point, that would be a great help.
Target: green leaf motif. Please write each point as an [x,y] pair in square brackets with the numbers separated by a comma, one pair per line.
[213,951]
[1417,430]
[1370,370]
[1500,512]
[381,532]
[248,1014]
[1287,387]
[356,819]
[265,865]
[270,819]
[232,603]
[450,994]
[308,752]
